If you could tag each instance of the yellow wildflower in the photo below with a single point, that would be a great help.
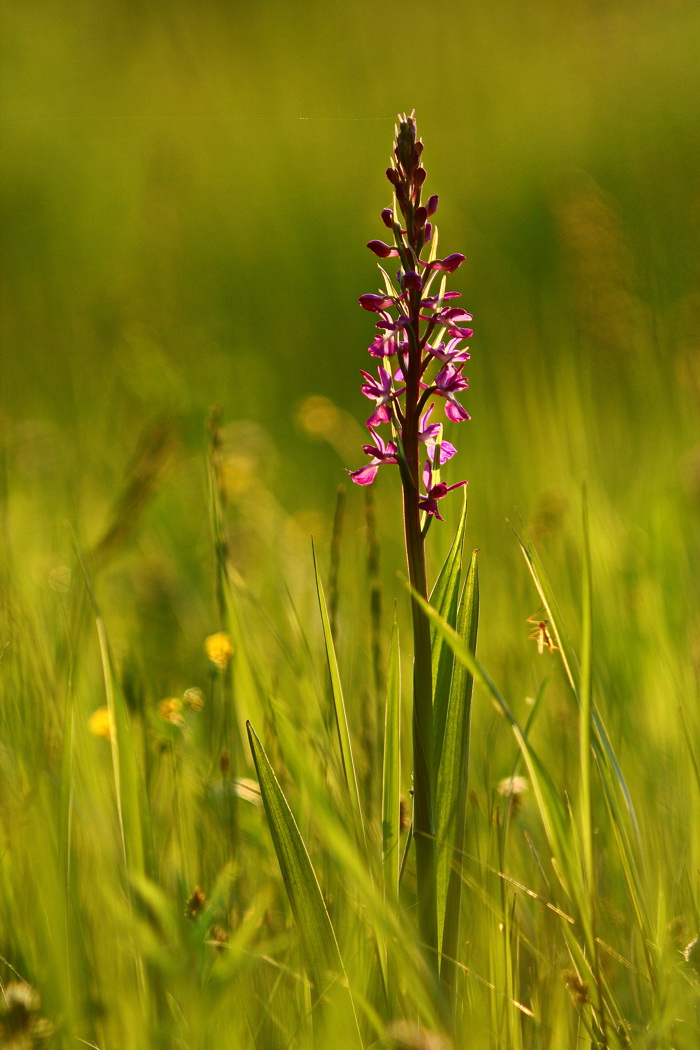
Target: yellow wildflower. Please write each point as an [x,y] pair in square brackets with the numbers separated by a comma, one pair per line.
[100,723]
[219,649]
[170,709]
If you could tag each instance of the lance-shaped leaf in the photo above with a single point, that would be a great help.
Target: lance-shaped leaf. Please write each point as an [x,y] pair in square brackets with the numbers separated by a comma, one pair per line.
[341,718]
[391,778]
[451,802]
[445,598]
[555,819]
[318,936]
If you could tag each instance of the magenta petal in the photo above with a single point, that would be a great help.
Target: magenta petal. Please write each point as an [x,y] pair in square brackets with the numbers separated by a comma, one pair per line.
[384,251]
[447,451]
[375,303]
[455,412]
[380,415]
[447,265]
[365,475]
[455,313]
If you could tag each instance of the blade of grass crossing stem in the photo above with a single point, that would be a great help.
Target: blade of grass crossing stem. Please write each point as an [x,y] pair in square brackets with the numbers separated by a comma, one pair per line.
[320,945]
[341,718]
[391,775]
[554,817]
[451,798]
[445,598]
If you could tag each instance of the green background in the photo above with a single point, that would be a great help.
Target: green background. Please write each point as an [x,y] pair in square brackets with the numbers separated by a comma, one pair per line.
[188,190]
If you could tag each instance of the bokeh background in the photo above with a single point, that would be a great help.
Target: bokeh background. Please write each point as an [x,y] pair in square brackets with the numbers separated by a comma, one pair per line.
[187,193]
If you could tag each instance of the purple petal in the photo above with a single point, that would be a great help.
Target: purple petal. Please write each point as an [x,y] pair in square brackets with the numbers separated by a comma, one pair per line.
[454,313]
[375,303]
[383,346]
[365,475]
[384,251]
[380,415]
[388,218]
[447,451]
[426,416]
[448,264]
[432,204]
[411,280]
[456,412]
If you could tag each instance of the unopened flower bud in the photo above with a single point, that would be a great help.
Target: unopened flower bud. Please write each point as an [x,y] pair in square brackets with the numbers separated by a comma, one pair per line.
[388,218]
[384,251]
[449,264]
[411,280]
[375,303]
[393,176]
[432,204]
[419,217]
[427,232]
[419,176]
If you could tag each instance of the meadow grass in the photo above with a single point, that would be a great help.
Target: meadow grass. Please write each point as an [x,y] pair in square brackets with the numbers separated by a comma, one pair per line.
[170,225]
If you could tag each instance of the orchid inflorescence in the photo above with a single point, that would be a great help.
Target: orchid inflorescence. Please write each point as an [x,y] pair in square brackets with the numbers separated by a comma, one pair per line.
[420,330]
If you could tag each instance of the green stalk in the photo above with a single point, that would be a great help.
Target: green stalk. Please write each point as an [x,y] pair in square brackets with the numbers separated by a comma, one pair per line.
[423,821]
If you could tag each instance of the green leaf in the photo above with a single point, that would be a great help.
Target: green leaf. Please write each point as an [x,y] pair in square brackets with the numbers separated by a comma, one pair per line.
[307,903]
[445,598]
[126,777]
[552,811]
[391,777]
[341,718]
[451,800]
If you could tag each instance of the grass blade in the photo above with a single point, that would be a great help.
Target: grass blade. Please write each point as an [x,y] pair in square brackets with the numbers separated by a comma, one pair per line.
[451,800]
[341,718]
[320,945]
[445,599]
[391,778]
[585,707]
[554,816]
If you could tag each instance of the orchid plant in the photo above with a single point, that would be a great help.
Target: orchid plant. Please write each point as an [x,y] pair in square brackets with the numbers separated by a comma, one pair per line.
[423,332]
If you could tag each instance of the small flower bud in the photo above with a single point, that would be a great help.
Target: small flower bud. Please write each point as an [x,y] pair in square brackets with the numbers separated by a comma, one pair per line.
[427,232]
[393,176]
[419,176]
[401,195]
[419,218]
[388,218]
[447,265]
[384,251]
[375,303]
[432,204]
[411,280]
